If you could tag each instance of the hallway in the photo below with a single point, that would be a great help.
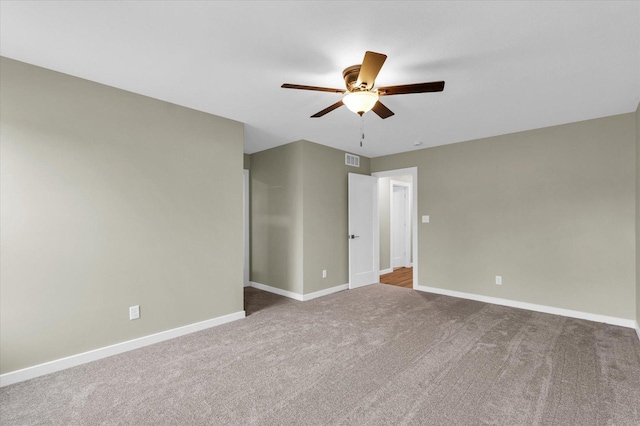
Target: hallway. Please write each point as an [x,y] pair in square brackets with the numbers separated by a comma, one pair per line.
[401,277]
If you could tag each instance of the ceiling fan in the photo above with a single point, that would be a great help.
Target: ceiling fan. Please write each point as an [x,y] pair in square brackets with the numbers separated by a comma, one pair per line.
[360,95]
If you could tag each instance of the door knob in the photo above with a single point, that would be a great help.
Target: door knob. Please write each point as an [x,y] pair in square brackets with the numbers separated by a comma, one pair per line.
[353,237]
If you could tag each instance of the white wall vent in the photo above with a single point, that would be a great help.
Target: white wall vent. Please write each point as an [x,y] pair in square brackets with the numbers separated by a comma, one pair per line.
[351,160]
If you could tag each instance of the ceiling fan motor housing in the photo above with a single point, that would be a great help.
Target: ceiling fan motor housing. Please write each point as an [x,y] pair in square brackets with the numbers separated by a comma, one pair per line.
[350,75]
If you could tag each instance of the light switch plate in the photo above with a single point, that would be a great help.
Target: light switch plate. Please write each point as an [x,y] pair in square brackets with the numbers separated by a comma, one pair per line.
[425,219]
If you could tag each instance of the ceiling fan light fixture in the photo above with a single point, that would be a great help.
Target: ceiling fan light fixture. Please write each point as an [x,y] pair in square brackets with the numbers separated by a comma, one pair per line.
[361,97]
[361,101]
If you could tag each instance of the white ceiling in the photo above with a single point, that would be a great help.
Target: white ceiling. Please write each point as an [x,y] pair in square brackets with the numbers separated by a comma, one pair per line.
[508,66]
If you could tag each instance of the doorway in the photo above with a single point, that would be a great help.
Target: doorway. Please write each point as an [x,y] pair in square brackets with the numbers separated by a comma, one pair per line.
[400,277]
[397,212]
[400,224]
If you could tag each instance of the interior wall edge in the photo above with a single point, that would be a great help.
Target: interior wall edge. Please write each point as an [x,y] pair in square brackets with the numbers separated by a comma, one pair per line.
[297,296]
[325,292]
[278,291]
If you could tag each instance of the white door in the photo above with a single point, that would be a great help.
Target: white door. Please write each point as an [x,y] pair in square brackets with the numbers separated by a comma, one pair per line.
[363,231]
[398,226]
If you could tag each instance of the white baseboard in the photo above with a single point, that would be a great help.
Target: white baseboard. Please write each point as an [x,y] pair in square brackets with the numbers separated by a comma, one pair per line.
[325,292]
[96,354]
[637,329]
[531,306]
[247,284]
[297,296]
[386,271]
[278,291]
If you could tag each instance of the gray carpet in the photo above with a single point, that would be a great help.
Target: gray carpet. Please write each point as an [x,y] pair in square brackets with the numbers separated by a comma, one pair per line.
[379,355]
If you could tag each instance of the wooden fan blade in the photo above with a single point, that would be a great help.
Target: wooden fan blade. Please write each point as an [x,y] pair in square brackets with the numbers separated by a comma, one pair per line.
[328,109]
[382,111]
[315,88]
[434,86]
[371,65]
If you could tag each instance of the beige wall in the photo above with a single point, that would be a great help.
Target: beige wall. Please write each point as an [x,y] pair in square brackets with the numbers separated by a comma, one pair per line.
[299,216]
[550,210]
[276,217]
[110,199]
[326,224]
[246,160]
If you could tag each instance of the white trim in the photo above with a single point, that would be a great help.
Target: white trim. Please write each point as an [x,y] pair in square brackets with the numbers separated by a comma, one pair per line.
[297,296]
[637,327]
[413,172]
[278,291]
[324,292]
[246,226]
[386,271]
[531,306]
[96,354]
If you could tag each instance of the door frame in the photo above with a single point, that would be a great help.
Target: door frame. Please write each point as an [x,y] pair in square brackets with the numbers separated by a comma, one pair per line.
[245,227]
[413,172]
[408,259]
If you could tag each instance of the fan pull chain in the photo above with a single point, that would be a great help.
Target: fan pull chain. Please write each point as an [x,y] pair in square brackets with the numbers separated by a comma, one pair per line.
[361,129]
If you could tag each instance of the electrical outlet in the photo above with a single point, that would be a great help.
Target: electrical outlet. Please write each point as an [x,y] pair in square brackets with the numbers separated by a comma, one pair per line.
[324,273]
[498,280]
[134,312]
[425,219]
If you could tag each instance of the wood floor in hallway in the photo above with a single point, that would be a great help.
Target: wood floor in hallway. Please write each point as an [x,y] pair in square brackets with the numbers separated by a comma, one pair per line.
[401,277]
